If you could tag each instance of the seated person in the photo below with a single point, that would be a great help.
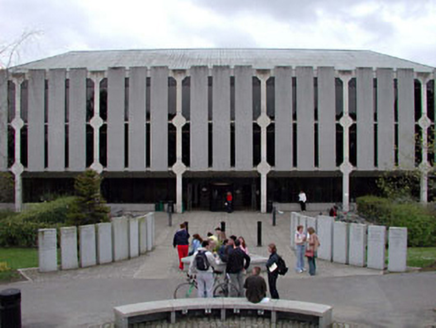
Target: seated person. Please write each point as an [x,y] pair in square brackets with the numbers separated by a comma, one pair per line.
[255,287]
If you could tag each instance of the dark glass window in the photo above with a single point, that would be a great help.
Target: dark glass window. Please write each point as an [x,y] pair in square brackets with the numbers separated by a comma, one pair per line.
[256,144]
[24,101]
[210,146]
[270,144]
[172,97]
[11,146]
[256,98]
[186,144]
[316,137]
[430,100]
[315,98]
[126,99]
[232,98]
[89,145]
[103,99]
[89,99]
[270,97]
[67,100]
[232,145]
[339,144]
[353,144]
[11,101]
[294,98]
[294,145]
[352,95]
[418,100]
[103,145]
[24,143]
[126,145]
[186,98]
[339,98]
[209,97]
[172,144]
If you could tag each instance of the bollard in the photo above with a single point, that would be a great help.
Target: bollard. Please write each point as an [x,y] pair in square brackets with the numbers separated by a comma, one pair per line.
[10,308]
[223,226]
[187,226]
[274,216]
[259,233]
[170,219]
[170,210]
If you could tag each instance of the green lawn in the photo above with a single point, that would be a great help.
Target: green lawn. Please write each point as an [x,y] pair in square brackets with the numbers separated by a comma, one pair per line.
[421,256]
[16,258]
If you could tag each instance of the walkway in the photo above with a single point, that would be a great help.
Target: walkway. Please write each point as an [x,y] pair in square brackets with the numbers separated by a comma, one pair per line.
[85,297]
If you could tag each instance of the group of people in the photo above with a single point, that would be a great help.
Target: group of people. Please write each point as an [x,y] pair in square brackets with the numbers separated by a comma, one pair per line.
[215,253]
[306,244]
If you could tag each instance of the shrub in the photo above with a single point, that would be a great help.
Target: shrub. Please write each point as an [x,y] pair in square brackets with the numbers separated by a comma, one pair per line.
[89,206]
[420,223]
[22,229]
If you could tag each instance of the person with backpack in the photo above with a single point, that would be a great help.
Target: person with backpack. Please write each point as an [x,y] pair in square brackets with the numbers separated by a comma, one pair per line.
[237,262]
[202,265]
[273,270]
[181,241]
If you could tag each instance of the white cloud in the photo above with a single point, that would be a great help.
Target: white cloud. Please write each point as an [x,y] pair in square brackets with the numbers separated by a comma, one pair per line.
[403,28]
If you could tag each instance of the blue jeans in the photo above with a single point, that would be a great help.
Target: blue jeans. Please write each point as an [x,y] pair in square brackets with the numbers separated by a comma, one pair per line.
[300,249]
[312,265]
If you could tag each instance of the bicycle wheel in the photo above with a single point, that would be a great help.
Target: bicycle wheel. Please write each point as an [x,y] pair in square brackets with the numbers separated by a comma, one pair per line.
[224,290]
[186,290]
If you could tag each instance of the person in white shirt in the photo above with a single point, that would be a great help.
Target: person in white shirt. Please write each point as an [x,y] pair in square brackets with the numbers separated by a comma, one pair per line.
[204,277]
[302,199]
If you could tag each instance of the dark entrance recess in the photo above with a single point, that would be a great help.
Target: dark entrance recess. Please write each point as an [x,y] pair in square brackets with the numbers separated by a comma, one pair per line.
[210,194]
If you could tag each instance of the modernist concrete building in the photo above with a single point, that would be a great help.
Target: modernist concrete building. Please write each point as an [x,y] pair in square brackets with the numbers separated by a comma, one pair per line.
[189,125]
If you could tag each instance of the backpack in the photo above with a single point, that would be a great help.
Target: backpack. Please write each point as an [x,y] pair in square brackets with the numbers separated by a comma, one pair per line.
[201,261]
[282,269]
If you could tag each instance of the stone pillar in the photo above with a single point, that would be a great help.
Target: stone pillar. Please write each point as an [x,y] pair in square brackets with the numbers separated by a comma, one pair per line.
[17,124]
[88,251]
[47,250]
[104,243]
[69,248]
[96,121]
[263,121]
[424,123]
[397,249]
[346,122]
[376,247]
[179,121]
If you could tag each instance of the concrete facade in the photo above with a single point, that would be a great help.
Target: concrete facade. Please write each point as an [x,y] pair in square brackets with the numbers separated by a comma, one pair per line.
[245,117]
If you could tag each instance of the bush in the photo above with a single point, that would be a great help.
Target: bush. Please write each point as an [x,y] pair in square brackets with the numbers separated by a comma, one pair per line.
[48,212]
[420,223]
[22,229]
[89,206]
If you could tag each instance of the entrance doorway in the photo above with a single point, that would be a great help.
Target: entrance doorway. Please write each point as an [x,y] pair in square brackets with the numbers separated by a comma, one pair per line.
[210,194]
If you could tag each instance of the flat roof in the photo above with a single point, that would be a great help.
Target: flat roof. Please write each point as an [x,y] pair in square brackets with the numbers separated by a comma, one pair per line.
[257,58]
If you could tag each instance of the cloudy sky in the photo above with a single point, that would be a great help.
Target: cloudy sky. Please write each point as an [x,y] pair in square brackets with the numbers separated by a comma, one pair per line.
[401,28]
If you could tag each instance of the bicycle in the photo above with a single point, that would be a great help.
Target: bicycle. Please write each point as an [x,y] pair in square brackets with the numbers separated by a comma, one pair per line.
[221,288]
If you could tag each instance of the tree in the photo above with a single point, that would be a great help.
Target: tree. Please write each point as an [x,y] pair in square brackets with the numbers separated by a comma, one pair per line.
[90,206]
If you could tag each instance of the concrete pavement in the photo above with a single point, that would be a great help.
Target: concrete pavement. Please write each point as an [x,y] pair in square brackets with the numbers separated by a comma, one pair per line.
[86,297]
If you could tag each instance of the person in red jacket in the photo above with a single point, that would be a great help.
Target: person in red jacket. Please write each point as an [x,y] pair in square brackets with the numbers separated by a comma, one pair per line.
[229,202]
[181,241]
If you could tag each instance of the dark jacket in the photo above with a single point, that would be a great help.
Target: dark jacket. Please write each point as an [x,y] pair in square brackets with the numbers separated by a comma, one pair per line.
[256,288]
[273,258]
[181,237]
[235,262]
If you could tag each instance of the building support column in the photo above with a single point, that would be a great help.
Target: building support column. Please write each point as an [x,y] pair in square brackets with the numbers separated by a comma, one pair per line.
[424,123]
[179,121]
[263,121]
[96,121]
[17,124]
[346,122]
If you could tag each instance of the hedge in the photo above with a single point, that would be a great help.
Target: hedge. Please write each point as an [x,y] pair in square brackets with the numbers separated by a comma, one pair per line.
[419,221]
[21,230]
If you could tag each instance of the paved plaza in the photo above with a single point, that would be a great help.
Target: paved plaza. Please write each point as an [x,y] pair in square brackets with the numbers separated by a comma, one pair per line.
[361,297]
